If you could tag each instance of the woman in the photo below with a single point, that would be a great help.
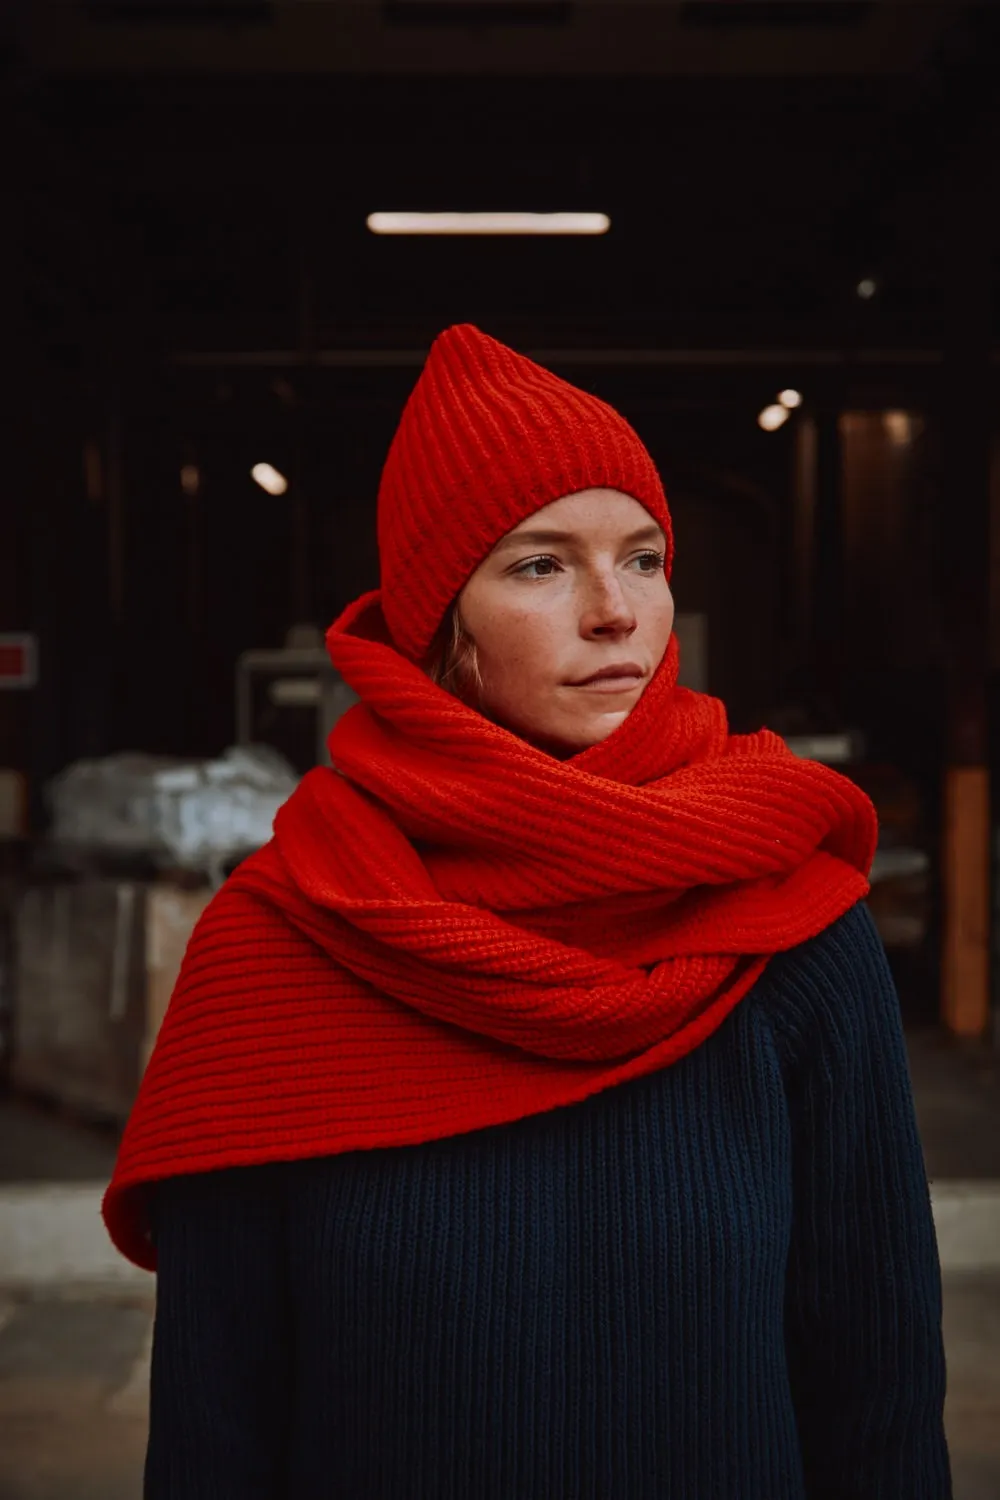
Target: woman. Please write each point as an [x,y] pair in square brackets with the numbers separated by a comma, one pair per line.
[531,1119]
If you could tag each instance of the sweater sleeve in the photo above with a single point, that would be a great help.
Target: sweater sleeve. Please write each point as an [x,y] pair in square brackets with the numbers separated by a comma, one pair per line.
[863,1295]
[221,1344]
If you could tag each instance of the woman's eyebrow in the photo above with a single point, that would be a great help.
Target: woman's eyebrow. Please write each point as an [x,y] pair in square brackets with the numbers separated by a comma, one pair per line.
[552,538]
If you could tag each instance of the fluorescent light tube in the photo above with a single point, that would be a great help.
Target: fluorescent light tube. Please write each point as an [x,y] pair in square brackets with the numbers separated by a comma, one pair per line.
[488,223]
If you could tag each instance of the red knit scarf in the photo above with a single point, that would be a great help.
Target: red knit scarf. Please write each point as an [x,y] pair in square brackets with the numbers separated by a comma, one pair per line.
[453,929]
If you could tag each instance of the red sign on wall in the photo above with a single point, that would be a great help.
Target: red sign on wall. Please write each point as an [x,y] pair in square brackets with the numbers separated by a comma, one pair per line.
[18,661]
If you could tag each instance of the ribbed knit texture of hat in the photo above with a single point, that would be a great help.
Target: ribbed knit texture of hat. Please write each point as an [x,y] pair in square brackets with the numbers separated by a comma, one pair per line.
[487,438]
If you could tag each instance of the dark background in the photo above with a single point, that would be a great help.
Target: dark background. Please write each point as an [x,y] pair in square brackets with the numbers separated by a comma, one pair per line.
[188,279]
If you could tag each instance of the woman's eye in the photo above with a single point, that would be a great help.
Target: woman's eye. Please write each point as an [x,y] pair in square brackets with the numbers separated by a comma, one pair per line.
[546,564]
[544,567]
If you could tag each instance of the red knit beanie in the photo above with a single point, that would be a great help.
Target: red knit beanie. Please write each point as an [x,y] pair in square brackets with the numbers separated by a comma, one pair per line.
[486,439]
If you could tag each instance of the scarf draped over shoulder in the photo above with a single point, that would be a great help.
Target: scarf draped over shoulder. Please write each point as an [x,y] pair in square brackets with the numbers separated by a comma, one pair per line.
[452,929]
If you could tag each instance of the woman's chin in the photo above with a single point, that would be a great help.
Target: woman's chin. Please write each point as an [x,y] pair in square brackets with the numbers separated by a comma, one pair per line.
[608,723]
[564,740]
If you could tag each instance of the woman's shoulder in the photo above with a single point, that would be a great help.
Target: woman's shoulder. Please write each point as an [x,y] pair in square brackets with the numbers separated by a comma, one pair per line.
[835,986]
[850,945]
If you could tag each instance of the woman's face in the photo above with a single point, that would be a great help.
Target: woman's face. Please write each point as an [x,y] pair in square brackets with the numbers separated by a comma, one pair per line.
[577,589]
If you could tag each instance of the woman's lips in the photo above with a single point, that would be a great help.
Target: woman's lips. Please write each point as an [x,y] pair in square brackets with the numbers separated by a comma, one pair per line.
[621,684]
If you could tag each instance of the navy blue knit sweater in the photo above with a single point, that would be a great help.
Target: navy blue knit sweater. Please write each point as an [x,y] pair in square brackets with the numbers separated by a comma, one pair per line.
[717,1281]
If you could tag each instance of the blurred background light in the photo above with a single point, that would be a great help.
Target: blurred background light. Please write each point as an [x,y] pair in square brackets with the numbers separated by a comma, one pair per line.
[790,399]
[772,417]
[488,223]
[899,427]
[269,478]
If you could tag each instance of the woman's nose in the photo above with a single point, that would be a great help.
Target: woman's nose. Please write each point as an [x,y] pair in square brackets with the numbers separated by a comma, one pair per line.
[607,608]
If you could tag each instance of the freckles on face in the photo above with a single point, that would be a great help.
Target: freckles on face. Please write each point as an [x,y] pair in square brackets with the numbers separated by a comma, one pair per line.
[570,614]
[517,645]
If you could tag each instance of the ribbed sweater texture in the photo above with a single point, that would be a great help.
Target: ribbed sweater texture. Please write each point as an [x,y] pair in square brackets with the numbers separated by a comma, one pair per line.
[715,1282]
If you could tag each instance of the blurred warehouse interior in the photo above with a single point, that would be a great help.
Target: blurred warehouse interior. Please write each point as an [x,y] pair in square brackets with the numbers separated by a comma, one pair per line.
[791,295]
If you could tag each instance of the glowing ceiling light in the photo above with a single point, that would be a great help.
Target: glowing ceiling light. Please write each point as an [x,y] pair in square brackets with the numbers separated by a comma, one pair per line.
[772,417]
[269,478]
[488,223]
[866,288]
[789,399]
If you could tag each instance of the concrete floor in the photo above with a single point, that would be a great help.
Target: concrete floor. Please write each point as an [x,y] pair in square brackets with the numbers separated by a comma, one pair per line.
[972,1411]
[74,1372]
